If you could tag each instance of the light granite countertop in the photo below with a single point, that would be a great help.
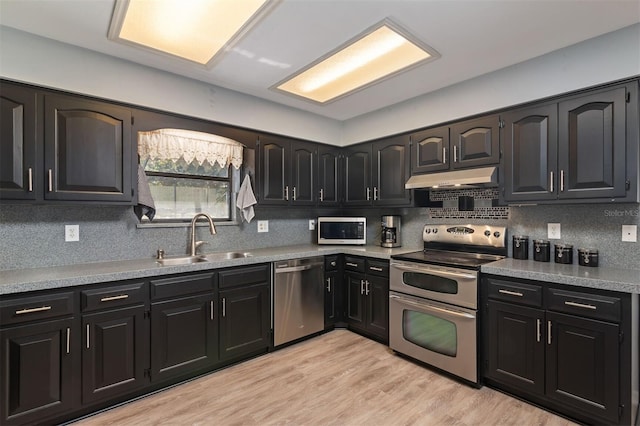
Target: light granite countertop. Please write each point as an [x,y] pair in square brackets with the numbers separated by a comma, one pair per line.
[617,279]
[24,280]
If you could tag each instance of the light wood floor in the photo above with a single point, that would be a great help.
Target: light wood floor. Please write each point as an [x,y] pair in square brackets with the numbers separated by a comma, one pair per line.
[339,378]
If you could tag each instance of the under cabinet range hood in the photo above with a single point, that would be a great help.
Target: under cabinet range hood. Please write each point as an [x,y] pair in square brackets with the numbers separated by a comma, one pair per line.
[469,178]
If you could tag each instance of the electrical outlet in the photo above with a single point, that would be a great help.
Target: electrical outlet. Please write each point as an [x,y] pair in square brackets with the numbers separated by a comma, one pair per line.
[553,231]
[263,226]
[72,232]
[312,224]
[630,233]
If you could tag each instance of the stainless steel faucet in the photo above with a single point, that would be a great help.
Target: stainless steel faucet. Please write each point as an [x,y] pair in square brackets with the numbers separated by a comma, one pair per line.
[193,247]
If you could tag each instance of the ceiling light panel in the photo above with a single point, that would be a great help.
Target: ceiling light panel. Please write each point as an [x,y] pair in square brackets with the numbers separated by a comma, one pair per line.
[195,30]
[379,53]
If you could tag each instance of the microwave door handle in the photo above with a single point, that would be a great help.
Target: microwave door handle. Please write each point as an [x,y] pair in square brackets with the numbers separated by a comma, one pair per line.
[427,270]
[429,307]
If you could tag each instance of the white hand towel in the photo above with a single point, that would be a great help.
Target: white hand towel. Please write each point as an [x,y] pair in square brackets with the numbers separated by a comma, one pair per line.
[246,200]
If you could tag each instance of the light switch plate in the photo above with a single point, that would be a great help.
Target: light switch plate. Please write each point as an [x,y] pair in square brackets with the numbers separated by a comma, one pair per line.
[263,226]
[630,233]
[312,225]
[72,233]
[553,231]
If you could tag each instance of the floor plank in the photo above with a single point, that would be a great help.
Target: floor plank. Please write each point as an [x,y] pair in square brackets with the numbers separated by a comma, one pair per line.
[339,378]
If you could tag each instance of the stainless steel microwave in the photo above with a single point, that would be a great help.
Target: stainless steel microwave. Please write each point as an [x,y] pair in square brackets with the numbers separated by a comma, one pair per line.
[342,230]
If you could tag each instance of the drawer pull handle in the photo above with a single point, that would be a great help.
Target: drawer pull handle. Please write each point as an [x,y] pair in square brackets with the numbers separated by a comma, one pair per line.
[375,268]
[353,265]
[33,310]
[111,298]
[511,293]
[580,305]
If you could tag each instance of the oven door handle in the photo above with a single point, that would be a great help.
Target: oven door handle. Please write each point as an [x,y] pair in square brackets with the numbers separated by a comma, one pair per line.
[428,270]
[428,306]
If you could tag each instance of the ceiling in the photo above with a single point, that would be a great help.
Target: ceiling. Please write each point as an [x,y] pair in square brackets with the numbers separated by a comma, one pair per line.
[474,37]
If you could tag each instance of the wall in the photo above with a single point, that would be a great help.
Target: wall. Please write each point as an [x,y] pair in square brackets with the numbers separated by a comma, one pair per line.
[36,60]
[610,57]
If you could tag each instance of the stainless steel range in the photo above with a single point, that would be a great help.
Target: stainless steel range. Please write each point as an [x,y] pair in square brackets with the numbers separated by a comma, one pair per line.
[433,298]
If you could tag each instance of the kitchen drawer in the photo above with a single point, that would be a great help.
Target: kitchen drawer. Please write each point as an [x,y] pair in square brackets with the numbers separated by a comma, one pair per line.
[378,267]
[113,296]
[584,304]
[331,263]
[24,309]
[182,285]
[515,292]
[245,275]
[355,264]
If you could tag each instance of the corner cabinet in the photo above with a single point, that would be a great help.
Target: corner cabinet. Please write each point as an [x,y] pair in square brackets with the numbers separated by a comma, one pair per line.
[376,172]
[287,171]
[64,148]
[583,148]
[563,348]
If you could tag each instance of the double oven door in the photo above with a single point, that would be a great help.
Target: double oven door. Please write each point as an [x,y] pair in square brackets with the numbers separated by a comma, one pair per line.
[433,316]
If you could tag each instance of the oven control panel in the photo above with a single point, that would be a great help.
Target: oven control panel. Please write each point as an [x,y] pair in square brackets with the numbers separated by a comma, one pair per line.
[475,235]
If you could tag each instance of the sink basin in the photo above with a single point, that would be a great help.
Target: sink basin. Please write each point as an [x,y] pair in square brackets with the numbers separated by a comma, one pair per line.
[213,257]
[180,260]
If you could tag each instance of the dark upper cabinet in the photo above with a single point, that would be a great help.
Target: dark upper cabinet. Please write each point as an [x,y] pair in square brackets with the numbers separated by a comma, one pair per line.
[575,149]
[375,173]
[475,142]
[530,153]
[88,150]
[287,171]
[329,176]
[592,149]
[430,150]
[19,172]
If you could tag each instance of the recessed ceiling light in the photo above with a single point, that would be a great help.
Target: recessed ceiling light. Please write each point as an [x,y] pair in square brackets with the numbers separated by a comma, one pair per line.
[196,30]
[380,52]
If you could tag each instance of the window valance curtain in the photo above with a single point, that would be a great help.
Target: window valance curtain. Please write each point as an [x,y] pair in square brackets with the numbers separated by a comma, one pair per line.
[173,144]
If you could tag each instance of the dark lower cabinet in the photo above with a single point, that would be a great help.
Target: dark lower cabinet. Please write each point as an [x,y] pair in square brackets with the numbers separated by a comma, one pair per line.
[244,306]
[563,349]
[38,370]
[183,336]
[333,299]
[367,296]
[115,353]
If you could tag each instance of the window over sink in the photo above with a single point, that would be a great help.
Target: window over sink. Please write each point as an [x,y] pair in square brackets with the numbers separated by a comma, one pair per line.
[190,172]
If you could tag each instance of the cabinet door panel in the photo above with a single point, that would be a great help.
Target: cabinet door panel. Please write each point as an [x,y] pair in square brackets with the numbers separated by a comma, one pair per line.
[37,371]
[328,176]
[18,171]
[583,365]
[115,351]
[378,306]
[391,171]
[531,149]
[303,171]
[87,150]
[274,171]
[593,145]
[515,349]
[244,321]
[183,335]
[358,176]
[355,300]
[430,150]
[476,142]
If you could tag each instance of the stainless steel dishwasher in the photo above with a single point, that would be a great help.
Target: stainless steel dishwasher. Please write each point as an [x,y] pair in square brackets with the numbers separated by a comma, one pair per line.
[298,300]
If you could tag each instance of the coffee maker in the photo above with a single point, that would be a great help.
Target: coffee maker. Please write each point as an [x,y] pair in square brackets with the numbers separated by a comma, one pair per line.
[391,233]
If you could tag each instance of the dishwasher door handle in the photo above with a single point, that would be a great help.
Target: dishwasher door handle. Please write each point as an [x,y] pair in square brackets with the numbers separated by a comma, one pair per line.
[294,269]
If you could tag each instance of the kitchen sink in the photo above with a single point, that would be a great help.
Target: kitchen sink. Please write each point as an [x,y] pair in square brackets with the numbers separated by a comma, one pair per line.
[180,260]
[213,257]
